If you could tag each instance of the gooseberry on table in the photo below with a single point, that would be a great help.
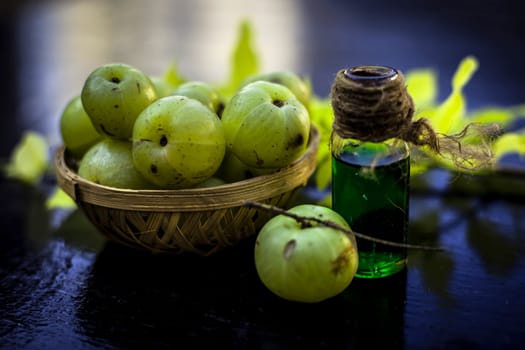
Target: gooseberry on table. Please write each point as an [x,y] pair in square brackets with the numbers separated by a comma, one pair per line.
[305,261]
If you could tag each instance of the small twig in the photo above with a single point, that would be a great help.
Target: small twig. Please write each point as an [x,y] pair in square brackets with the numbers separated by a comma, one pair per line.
[306,220]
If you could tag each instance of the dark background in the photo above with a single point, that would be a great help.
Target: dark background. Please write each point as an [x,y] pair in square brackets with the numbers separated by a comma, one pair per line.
[62,286]
[49,47]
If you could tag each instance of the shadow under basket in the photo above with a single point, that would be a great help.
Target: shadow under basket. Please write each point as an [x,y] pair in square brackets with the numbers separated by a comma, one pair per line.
[197,220]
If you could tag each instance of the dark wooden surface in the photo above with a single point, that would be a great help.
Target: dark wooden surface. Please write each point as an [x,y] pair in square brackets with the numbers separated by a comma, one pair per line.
[65,287]
[62,286]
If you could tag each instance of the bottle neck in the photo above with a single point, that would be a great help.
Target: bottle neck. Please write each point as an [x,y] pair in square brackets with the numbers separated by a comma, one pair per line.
[366,153]
[371,103]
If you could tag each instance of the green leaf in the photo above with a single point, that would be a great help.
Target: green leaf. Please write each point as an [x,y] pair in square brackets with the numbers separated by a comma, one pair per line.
[418,168]
[244,58]
[323,174]
[450,116]
[502,116]
[326,201]
[467,67]
[422,87]
[29,159]
[322,115]
[60,200]
[173,76]
[511,142]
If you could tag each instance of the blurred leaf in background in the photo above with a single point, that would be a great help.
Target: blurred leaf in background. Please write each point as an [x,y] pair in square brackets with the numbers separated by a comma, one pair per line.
[29,159]
[244,60]
[422,85]
[449,116]
[60,200]
[510,143]
[172,75]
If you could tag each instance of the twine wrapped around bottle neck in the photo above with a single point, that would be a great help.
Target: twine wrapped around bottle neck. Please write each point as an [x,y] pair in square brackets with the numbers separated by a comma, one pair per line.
[371,103]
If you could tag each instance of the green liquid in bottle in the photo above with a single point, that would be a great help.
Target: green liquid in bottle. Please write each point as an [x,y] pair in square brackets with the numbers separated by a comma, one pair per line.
[374,201]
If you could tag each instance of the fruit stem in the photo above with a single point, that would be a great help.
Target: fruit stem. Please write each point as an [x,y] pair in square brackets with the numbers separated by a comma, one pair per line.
[307,221]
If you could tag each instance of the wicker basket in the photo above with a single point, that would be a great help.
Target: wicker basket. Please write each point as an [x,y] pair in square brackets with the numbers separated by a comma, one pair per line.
[200,220]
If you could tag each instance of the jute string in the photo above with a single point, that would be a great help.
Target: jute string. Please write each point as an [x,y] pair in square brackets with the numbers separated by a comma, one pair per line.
[371,103]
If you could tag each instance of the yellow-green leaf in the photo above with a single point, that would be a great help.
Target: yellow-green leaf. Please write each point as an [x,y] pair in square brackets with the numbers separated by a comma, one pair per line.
[29,158]
[60,200]
[450,114]
[467,67]
[422,86]
[326,201]
[244,59]
[493,115]
[173,76]
[509,143]
[322,115]
[323,174]
[418,168]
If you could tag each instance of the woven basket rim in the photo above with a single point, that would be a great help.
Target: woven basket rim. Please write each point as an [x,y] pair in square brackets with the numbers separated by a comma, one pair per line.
[191,199]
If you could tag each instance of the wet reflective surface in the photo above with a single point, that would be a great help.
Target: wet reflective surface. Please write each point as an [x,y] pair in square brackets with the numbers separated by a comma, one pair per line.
[63,286]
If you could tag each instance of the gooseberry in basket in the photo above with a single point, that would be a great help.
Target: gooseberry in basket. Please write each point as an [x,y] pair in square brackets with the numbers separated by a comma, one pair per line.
[233,170]
[203,92]
[305,261]
[265,125]
[210,182]
[297,85]
[162,86]
[76,129]
[110,163]
[177,142]
[113,96]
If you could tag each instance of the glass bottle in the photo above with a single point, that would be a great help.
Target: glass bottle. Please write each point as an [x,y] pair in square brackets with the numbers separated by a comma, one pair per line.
[370,179]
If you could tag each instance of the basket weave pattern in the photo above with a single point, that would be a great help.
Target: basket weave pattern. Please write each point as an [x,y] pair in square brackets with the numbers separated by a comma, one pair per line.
[200,220]
[203,232]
